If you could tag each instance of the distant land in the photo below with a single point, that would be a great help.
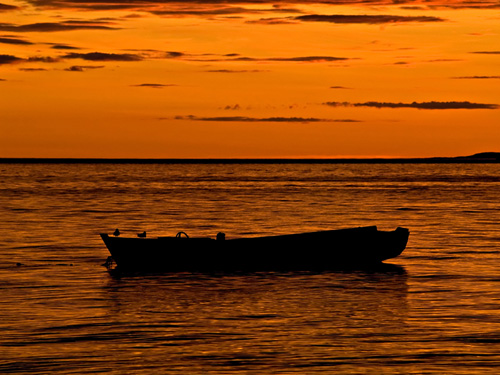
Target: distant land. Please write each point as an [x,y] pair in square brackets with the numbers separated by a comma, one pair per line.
[482,157]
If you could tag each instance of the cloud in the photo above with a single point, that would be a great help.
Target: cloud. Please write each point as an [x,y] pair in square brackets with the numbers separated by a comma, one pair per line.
[82,68]
[423,105]
[274,21]
[224,7]
[33,69]
[235,57]
[307,58]
[217,10]
[157,54]
[230,57]
[235,71]
[7,7]
[477,77]
[464,4]
[303,120]
[10,40]
[62,46]
[154,85]
[413,8]
[173,54]
[442,60]
[97,5]
[9,59]
[312,59]
[43,59]
[100,56]
[487,52]
[54,26]
[366,19]
[174,8]
[339,87]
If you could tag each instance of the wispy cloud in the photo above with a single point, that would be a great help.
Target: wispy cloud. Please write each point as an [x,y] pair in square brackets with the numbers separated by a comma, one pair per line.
[82,68]
[229,57]
[33,69]
[310,59]
[9,59]
[11,40]
[422,105]
[43,59]
[100,56]
[56,26]
[62,46]
[235,57]
[306,59]
[152,4]
[176,8]
[274,21]
[7,7]
[464,4]
[154,85]
[366,19]
[477,77]
[487,52]
[218,10]
[349,19]
[235,71]
[303,120]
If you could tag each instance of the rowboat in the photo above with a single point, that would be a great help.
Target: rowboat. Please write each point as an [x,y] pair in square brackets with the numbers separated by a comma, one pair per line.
[320,250]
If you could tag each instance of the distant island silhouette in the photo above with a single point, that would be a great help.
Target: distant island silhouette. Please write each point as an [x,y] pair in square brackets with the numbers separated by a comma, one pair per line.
[482,157]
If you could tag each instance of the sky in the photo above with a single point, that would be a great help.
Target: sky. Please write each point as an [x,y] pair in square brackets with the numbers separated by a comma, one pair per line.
[249,79]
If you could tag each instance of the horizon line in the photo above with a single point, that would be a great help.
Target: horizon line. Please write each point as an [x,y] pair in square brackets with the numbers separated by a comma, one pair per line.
[492,157]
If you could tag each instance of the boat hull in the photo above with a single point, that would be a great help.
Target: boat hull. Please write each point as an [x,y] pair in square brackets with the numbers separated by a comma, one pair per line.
[306,251]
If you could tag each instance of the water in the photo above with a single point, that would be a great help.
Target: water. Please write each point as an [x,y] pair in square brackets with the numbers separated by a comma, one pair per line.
[435,311]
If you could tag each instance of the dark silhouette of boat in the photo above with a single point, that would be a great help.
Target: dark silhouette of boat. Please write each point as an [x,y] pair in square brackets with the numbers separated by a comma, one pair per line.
[321,250]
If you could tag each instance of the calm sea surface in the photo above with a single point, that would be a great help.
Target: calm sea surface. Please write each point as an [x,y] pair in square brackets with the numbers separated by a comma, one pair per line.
[436,311]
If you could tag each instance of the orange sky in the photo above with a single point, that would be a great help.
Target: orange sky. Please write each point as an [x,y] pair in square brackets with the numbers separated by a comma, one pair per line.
[190,79]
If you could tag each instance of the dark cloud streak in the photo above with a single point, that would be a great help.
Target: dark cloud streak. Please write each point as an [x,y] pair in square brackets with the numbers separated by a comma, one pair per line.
[9,40]
[43,59]
[154,85]
[477,77]
[55,27]
[9,59]
[63,47]
[7,7]
[311,59]
[221,7]
[235,71]
[82,68]
[33,69]
[99,56]
[486,52]
[365,19]
[303,120]
[218,11]
[422,105]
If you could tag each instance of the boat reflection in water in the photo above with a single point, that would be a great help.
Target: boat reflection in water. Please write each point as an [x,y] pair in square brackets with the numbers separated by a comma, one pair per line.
[262,321]
[321,250]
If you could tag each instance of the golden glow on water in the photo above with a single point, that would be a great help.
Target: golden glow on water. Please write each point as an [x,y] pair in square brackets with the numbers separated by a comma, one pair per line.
[434,310]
